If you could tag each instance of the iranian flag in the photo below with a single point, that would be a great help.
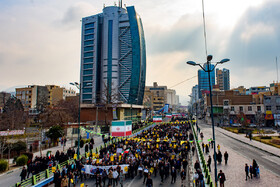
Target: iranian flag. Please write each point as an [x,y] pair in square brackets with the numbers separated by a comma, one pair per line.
[169,115]
[157,119]
[121,128]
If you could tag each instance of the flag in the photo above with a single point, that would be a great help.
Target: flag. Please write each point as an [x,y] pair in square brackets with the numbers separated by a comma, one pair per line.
[121,128]
[49,154]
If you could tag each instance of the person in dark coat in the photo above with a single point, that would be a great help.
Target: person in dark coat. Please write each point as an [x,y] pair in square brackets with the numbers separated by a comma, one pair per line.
[56,179]
[222,178]
[173,175]
[247,171]
[149,182]
[86,148]
[23,174]
[209,163]
[226,157]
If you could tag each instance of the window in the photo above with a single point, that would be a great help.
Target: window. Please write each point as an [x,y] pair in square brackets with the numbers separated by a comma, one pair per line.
[241,108]
[87,78]
[88,31]
[89,42]
[259,108]
[268,107]
[88,48]
[226,102]
[232,108]
[87,96]
[89,25]
[249,108]
[87,54]
[88,37]
[267,99]
[277,107]
[87,90]
[88,66]
[87,60]
[87,72]
[277,99]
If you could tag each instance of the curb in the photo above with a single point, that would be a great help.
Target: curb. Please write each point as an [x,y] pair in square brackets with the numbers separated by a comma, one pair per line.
[251,145]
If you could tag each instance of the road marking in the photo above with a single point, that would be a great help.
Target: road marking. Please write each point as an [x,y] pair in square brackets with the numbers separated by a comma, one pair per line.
[129,185]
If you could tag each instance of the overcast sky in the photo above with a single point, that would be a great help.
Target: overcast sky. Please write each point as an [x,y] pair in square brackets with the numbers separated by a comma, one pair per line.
[40,40]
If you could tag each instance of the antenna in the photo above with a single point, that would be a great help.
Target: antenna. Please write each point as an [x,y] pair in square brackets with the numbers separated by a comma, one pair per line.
[277,69]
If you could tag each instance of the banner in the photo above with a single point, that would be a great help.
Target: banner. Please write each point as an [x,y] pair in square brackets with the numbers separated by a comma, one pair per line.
[89,169]
[12,132]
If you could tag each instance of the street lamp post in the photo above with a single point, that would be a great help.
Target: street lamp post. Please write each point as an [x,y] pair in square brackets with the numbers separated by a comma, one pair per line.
[79,86]
[208,70]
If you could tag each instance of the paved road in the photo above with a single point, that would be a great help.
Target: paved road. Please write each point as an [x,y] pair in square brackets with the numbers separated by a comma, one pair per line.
[267,160]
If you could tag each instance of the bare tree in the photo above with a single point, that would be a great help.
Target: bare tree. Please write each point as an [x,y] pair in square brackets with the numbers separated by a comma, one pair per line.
[3,145]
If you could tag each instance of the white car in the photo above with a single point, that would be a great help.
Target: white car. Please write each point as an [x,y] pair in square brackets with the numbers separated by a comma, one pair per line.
[236,125]
[252,125]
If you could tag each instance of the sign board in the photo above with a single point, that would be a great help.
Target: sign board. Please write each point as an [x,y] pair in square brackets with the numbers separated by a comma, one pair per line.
[13,132]
[31,130]
[119,150]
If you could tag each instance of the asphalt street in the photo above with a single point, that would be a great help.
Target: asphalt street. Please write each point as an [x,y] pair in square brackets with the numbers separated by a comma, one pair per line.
[266,160]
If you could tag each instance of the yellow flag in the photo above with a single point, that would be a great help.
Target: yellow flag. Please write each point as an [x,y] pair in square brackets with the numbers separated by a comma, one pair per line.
[82,185]
[75,156]
[120,157]
[72,181]
[53,169]
[93,154]
[136,155]
[97,161]
[157,146]
[112,158]
[173,156]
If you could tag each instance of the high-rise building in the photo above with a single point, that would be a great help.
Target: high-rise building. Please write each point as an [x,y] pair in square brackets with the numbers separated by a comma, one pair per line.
[113,57]
[203,81]
[223,80]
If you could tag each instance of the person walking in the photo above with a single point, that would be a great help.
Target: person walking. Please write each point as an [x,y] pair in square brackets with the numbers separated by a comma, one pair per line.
[183,177]
[121,177]
[226,157]
[247,171]
[64,181]
[115,177]
[173,175]
[222,178]
[149,182]
[219,147]
[209,163]
[23,174]
[146,172]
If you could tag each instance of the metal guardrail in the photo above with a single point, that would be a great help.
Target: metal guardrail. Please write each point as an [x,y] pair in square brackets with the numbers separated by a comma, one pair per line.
[207,177]
[42,175]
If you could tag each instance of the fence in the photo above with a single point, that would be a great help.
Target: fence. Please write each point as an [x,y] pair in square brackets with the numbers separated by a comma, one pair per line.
[203,165]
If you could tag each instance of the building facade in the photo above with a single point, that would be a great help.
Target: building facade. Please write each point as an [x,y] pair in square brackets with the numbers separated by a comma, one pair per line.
[203,81]
[4,96]
[230,107]
[113,57]
[223,80]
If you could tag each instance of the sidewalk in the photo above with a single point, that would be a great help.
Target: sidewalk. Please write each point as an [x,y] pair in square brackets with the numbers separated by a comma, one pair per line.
[241,137]
[234,170]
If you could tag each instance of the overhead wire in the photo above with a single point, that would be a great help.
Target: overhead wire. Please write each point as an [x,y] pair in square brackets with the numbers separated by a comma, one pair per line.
[183,81]
[204,28]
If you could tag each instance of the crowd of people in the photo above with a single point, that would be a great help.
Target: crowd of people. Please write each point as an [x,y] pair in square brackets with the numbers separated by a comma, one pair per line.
[159,151]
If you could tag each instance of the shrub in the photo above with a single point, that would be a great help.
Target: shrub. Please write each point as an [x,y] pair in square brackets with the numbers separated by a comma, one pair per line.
[29,155]
[22,160]
[3,165]
[243,130]
[265,137]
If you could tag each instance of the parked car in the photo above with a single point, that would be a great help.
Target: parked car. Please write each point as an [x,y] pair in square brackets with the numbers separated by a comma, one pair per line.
[236,125]
[252,125]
